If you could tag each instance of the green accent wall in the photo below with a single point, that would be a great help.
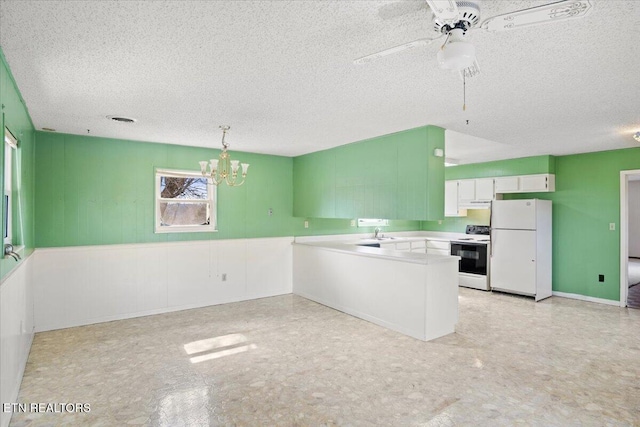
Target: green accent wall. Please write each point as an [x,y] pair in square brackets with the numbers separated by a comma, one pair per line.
[15,117]
[100,191]
[327,226]
[393,176]
[520,166]
[586,200]
[458,224]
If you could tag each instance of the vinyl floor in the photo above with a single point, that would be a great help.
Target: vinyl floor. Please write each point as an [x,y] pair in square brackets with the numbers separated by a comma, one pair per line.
[287,361]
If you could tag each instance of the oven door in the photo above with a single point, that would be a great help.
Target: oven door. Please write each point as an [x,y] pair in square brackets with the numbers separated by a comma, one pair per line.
[473,257]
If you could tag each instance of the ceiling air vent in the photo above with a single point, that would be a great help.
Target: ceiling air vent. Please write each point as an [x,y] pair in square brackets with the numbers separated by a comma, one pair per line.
[121,119]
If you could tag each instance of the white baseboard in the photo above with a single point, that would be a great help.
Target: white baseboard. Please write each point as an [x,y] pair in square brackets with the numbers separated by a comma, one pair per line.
[586,298]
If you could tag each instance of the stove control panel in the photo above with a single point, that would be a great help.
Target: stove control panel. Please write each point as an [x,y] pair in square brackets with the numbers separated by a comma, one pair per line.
[478,229]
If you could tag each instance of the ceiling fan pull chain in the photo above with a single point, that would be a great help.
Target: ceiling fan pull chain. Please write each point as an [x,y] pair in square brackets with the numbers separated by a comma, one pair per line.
[464,90]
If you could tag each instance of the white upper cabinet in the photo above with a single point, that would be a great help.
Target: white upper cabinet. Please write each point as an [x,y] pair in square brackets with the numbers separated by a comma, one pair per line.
[507,184]
[475,193]
[466,190]
[537,183]
[544,182]
[451,207]
[484,189]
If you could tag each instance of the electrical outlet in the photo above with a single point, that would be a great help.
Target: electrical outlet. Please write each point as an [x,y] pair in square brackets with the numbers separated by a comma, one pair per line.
[612,226]
[306,224]
[353,222]
[270,211]
[600,277]
[223,277]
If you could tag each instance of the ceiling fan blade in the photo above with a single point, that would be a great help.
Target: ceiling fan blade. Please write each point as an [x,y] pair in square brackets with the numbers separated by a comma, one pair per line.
[553,12]
[446,11]
[395,49]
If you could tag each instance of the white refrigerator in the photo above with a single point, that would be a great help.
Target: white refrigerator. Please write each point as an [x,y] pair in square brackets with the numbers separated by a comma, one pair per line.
[521,247]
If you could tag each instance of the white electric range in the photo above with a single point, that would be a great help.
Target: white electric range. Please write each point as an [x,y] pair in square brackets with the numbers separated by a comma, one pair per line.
[473,251]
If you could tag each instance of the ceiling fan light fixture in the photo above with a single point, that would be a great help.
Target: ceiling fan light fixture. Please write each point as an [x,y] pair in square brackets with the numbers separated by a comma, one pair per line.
[457,55]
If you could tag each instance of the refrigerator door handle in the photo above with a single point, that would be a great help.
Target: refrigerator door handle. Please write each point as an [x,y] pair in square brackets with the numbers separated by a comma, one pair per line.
[492,244]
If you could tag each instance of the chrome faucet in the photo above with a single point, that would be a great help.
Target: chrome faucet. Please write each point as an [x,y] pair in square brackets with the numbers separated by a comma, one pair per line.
[376,231]
[8,251]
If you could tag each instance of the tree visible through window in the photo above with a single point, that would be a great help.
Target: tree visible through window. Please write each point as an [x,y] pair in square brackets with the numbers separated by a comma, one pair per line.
[185,202]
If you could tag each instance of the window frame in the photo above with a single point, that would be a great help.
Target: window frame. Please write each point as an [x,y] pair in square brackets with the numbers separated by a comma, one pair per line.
[10,144]
[211,200]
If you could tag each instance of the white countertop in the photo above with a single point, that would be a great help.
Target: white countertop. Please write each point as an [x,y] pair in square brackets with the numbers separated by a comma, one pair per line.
[351,247]
[404,236]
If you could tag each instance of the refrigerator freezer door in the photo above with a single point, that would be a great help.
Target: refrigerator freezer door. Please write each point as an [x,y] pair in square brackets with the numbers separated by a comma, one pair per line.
[514,214]
[513,261]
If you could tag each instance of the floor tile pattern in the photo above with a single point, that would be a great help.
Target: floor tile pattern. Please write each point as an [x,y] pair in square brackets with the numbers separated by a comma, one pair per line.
[286,361]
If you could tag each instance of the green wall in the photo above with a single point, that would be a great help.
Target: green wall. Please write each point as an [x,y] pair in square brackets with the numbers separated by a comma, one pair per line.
[15,117]
[99,191]
[327,226]
[586,200]
[458,224]
[393,176]
[520,166]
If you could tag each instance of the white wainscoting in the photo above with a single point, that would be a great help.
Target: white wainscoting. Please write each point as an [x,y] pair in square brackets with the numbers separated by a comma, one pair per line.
[16,332]
[76,286]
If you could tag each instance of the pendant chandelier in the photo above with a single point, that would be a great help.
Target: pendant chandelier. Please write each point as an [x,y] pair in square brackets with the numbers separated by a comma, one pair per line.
[223,169]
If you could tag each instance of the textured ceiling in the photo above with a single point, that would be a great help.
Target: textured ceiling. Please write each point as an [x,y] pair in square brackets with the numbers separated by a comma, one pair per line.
[281,73]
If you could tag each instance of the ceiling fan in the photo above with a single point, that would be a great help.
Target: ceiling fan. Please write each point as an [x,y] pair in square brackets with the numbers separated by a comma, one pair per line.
[454,19]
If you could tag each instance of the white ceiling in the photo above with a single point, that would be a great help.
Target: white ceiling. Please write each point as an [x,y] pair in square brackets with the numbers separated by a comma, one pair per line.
[281,73]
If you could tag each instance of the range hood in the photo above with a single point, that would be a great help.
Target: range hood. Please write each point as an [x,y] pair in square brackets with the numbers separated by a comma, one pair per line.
[475,204]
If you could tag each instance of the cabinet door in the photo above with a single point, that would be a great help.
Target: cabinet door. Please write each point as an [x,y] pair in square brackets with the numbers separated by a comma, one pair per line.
[451,198]
[466,190]
[530,183]
[507,184]
[484,189]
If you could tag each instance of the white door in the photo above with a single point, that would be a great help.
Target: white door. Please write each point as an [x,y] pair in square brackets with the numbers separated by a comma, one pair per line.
[514,214]
[513,260]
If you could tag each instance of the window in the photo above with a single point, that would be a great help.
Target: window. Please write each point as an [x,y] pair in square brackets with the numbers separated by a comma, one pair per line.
[10,144]
[370,222]
[185,202]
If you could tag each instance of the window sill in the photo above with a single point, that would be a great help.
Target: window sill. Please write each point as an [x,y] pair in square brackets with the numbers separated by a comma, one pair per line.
[185,230]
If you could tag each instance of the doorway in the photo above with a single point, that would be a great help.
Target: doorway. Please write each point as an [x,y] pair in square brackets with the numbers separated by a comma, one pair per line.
[630,239]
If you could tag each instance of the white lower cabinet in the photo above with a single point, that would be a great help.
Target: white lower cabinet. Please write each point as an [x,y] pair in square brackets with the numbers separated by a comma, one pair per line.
[410,246]
[438,247]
